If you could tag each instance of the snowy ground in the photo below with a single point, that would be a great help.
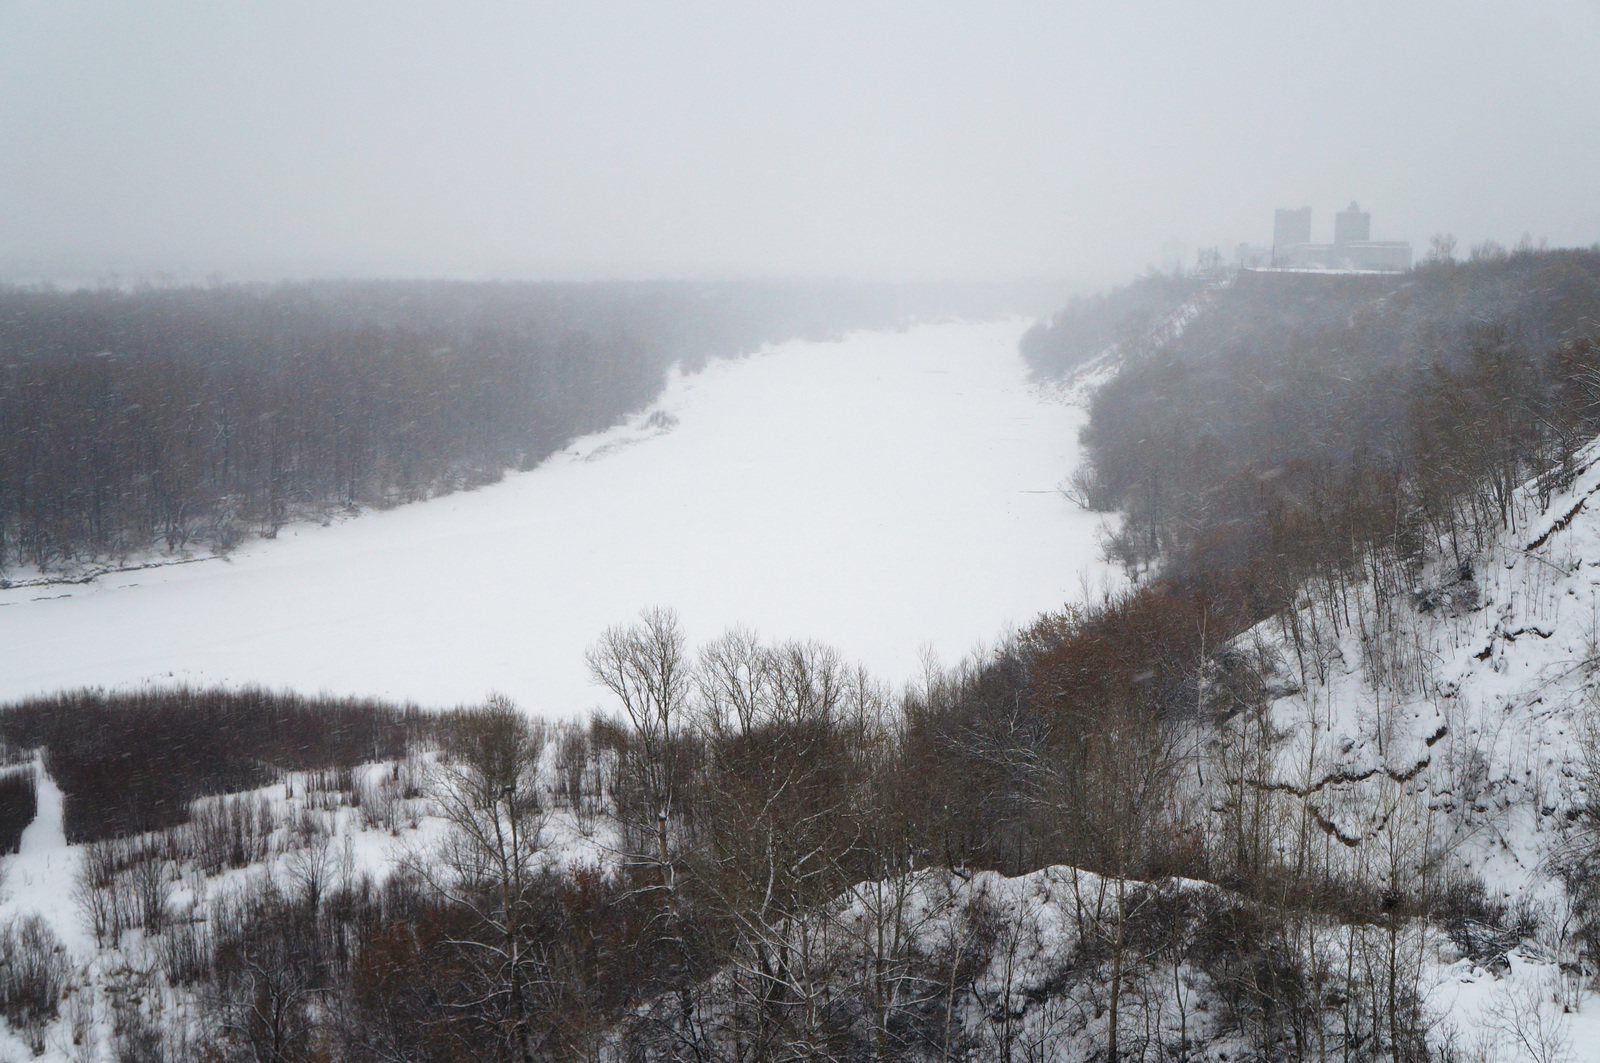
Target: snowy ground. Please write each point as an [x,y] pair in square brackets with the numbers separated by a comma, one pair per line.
[39,877]
[879,493]
[1467,713]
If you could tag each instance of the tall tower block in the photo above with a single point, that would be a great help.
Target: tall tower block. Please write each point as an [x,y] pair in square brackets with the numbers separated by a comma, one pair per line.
[1290,227]
[1352,226]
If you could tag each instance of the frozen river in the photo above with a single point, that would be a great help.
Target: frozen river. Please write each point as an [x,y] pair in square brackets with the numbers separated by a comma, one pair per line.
[884,493]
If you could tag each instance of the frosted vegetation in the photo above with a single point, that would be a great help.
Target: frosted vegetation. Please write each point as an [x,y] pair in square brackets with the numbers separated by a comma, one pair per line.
[1314,782]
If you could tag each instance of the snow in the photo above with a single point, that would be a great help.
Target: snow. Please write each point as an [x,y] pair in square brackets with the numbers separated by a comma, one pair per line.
[881,493]
[38,879]
[1517,1016]
[1468,721]
[884,492]
[1497,691]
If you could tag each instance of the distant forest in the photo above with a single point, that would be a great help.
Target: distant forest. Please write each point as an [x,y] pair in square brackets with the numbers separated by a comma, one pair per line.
[1261,430]
[179,418]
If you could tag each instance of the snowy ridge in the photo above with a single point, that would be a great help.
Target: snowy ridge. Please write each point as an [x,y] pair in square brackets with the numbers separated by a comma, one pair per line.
[1472,695]
[1034,959]
[1030,956]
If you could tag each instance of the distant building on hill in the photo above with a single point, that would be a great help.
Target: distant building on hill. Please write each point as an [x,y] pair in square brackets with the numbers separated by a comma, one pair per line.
[1353,226]
[1290,228]
[1352,249]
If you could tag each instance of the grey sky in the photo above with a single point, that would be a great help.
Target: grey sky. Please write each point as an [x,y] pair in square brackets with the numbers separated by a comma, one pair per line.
[853,139]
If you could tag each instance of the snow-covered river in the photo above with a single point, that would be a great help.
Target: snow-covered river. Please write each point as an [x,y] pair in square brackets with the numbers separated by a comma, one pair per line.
[883,493]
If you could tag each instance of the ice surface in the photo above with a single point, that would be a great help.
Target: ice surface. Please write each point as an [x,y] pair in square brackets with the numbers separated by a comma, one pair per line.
[880,493]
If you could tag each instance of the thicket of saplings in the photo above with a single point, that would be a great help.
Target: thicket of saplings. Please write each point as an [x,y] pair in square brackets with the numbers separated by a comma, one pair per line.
[18,805]
[131,763]
[170,418]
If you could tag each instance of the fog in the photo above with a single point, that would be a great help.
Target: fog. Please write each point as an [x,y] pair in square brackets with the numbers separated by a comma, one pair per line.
[883,140]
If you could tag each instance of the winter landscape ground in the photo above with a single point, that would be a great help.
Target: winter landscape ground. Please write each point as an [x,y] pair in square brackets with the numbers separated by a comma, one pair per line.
[1315,781]
[887,492]
[799,533]
[1485,744]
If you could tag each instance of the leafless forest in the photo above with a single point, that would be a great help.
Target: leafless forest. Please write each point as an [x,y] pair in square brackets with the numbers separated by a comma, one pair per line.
[793,852]
[164,420]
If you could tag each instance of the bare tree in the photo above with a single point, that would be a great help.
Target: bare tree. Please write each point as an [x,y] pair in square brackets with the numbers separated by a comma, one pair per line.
[1522,1016]
[101,896]
[1108,779]
[785,781]
[151,888]
[734,682]
[486,789]
[33,976]
[646,667]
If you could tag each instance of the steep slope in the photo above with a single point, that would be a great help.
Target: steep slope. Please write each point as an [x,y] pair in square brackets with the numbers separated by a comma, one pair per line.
[1468,698]
[1433,732]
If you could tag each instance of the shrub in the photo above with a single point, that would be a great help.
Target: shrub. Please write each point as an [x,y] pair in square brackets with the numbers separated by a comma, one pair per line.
[19,803]
[33,975]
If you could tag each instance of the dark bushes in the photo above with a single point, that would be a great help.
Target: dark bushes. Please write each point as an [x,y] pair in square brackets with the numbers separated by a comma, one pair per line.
[134,762]
[33,976]
[19,803]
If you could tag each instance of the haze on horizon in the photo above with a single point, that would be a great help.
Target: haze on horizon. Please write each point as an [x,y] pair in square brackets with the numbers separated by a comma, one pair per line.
[889,141]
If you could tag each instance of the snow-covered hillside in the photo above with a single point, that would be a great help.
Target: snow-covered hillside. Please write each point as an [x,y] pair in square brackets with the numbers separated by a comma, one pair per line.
[121,981]
[881,493]
[1474,693]
[1445,732]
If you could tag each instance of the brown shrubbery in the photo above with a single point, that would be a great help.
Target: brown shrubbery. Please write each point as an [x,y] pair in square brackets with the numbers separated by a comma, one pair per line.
[135,762]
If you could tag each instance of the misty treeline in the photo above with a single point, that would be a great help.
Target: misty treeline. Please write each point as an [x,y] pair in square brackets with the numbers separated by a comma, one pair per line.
[1294,422]
[175,418]
[1092,324]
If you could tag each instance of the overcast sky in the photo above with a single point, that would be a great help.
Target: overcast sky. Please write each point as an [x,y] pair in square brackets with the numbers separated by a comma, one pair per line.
[587,139]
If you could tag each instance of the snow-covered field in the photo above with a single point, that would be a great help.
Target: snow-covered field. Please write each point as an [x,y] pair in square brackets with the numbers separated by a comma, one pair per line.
[882,493]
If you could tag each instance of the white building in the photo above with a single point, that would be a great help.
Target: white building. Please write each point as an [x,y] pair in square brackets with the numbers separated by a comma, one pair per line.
[1352,247]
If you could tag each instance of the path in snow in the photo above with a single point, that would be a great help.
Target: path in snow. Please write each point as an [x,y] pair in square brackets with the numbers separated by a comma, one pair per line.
[39,877]
[880,493]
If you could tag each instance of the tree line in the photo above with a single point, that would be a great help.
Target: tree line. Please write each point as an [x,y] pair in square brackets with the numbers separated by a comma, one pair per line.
[1296,422]
[1091,324]
[169,419]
